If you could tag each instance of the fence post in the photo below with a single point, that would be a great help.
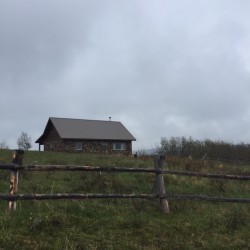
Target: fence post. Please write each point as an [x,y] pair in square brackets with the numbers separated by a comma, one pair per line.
[160,188]
[17,159]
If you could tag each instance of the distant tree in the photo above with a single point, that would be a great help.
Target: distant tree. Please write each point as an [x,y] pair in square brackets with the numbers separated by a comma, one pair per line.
[24,141]
[3,145]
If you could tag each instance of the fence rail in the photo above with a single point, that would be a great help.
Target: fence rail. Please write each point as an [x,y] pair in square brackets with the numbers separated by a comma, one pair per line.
[226,159]
[17,197]
[37,168]
[160,194]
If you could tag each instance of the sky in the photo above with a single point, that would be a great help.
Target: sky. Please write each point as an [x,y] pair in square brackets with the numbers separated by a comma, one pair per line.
[163,68]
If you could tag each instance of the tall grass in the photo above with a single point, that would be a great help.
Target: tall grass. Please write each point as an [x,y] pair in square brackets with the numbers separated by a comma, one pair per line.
[122,224]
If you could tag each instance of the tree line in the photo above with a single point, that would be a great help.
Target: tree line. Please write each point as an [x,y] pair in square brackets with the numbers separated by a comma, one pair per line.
[183,146]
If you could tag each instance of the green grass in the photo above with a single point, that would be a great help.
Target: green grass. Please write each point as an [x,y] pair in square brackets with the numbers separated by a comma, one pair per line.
[122,224]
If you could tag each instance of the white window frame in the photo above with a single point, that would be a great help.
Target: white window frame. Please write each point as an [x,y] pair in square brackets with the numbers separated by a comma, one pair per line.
[78,146]
[104,144]
[119,146]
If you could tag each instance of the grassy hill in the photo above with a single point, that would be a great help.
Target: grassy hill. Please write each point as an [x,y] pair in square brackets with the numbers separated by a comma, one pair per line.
[122,224]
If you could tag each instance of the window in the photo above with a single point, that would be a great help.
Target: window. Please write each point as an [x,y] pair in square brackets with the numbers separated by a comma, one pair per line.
[119,146]
[78,145]
[104,144]
[51,147]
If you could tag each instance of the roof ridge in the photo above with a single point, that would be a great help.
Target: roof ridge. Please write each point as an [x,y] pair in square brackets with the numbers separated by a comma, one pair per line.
[80,119]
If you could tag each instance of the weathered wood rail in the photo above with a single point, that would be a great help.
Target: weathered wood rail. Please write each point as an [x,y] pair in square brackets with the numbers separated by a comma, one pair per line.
[161,194]
[229,160]
[37,168]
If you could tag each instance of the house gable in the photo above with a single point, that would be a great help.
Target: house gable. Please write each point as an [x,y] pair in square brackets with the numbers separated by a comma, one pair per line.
[50,134]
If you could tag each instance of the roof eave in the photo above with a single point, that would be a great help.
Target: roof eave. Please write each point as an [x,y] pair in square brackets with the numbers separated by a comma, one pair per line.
[98,139]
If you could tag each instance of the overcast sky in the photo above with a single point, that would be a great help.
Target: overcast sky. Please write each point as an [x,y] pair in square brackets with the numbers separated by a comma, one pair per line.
[162,67]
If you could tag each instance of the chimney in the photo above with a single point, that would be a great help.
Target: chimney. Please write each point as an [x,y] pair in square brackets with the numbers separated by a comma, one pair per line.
[110,118]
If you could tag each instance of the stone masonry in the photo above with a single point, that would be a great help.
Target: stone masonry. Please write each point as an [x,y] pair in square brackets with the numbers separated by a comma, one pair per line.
[91,146]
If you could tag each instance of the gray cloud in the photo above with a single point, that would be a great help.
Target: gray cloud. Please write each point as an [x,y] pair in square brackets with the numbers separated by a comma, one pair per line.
[163,68]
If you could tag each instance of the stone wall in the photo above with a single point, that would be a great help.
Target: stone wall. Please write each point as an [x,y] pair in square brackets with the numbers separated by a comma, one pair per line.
[103,147]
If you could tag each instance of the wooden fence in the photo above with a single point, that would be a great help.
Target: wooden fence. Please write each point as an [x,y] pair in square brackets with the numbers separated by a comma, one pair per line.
[158,170]
[226,159]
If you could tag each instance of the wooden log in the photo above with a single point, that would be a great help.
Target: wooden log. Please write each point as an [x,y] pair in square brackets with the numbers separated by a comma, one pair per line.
[17,159]
[160,188]
[12,188]
[206,175]
[119,169]
[73,168]
[62,196]
[7,166]
[207,198]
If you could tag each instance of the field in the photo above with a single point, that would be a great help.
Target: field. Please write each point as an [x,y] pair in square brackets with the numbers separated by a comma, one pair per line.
[123,224]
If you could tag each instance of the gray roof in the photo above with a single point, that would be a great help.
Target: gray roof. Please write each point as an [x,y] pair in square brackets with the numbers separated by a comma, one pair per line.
[88,129]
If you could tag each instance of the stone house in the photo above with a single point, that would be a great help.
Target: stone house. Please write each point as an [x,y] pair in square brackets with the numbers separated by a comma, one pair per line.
[86,136]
